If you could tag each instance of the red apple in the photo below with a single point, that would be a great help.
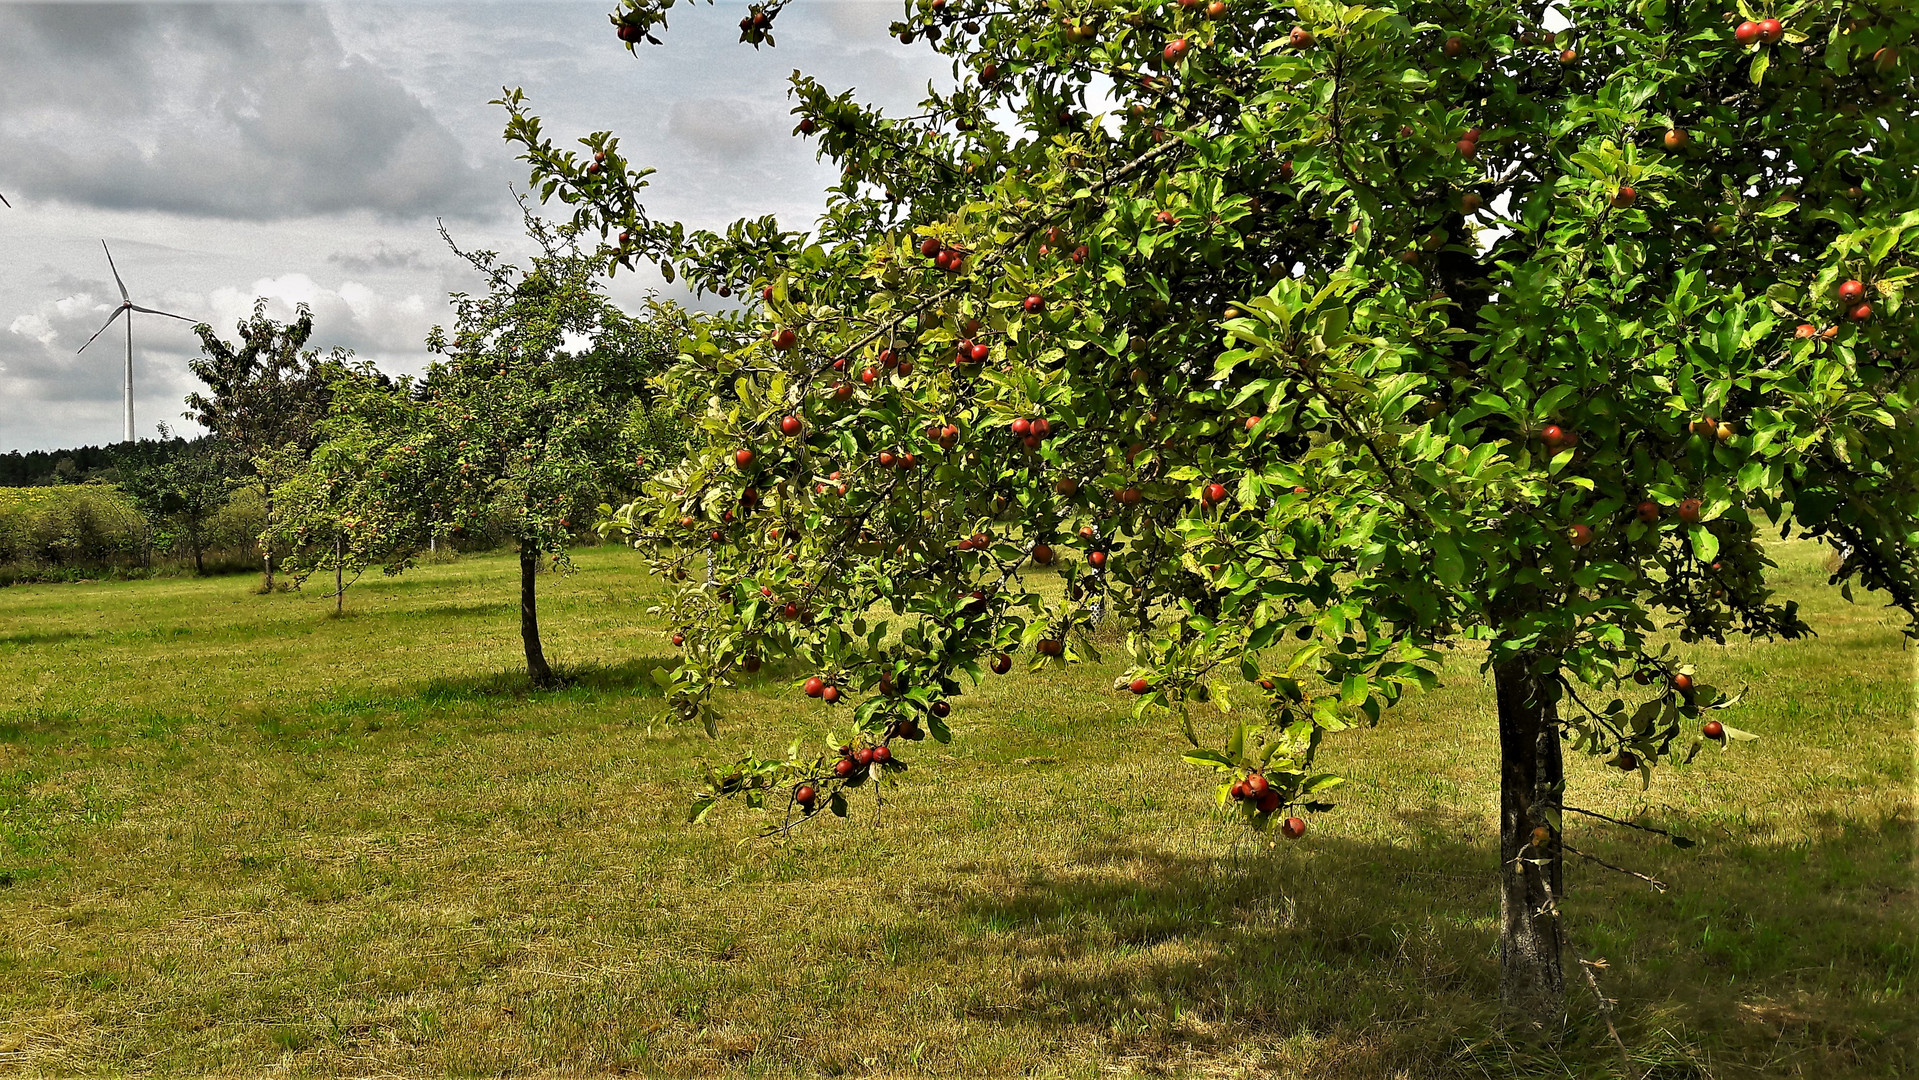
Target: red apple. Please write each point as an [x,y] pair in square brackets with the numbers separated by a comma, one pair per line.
[1689,511]
[1713,729]
[1852,291]
[844,767]
[1860,313]
[1002,664]
[1097,559]
[784,339]
[1771,31]
[1252,422]
[679,639]
[1214,494]
[1140,686]
[1805,330]
[1624,198]
[1468,148]
[791,426]
[1034,303]
[1256,784]
[1301,38]
[1553,436]
[804,796]
[1677,138]
[1746,33]
[1648,511]
[1129,496]
[1051,647]
[1580,535]
[1293,828]
[1175,50]
[815,686]
[1266,803]
[1043,555]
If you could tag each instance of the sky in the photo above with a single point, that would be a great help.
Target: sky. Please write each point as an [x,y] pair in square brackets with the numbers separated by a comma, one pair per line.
[233,150]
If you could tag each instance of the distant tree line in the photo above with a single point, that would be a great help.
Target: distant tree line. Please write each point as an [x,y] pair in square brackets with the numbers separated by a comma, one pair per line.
[82,464]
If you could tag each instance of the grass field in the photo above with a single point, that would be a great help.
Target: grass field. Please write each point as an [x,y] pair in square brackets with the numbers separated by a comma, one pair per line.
[238,836]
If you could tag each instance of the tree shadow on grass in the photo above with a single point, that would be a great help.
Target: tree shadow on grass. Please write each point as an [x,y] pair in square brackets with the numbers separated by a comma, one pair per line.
[25,638]
[1373,960]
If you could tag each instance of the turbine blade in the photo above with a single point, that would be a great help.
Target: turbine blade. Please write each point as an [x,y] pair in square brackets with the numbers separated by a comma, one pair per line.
[117,312]
[151,311]
[3,199]
[116,272]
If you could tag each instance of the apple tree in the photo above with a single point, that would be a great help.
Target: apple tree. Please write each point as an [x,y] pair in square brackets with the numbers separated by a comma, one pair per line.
[1310,341]
[526,415]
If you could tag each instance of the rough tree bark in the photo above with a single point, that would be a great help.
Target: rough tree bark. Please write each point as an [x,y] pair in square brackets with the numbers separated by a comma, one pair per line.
[536,666]
[1532,984]
[266,545]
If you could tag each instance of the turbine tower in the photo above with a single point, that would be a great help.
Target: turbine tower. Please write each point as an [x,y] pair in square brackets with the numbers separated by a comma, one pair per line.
[126,305]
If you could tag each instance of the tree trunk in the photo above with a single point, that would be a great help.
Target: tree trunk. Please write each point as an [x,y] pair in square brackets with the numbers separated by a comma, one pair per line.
[266,541]
[536,668]
[199,551]
[1532,985]
[339,578]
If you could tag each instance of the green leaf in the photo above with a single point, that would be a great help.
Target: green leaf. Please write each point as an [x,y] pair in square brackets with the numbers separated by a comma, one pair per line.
[1705,546]
[1206,757]
[1448,564]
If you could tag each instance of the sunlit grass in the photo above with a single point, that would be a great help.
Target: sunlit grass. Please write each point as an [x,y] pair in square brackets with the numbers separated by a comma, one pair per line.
[239,835]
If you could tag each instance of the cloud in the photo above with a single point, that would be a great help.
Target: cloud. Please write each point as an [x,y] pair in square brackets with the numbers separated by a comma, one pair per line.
[380,257]
[228,111]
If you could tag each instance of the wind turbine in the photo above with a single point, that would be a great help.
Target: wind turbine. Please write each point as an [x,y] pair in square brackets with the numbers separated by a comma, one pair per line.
[126,305]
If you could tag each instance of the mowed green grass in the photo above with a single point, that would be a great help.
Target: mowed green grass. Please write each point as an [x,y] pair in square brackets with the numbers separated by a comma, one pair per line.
[237,835]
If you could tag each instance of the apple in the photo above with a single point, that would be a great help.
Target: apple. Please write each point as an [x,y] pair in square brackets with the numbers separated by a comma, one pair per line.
[1553,436]
[791,426]
[1713,729]
[1002,664]
[1682,682]
[1214,494]
[1569,57]
[1175,50]
[1215,9]
[1043,555]
[870,375]
[751,663]
[1852,291]
[1689,511]
[1067,486]
[1470,202]
[1724,432]
[815,686]
[1580,535]
[1140,686]
[1746,33]
[1624,198]
[783,340]
[1129,496]
[1468,148]
[1239,790]
[1051,647]
[1648,511]
[1256,785]
[1627,761]
[1034,303]
[1805,330]
[843,768]
[1453,48]
[679,639]
[1097,559]
[1022,427]
[1677,138]
[1705,425]
[1771,31]
[1266,803]
[804,796]
[941,709]
[1860,313]
[1301,38]
[864,755]
[628,33]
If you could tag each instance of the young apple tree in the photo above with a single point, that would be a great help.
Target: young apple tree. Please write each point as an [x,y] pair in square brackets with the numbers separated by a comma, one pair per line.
[1311,341]
[524,415]
[264,397]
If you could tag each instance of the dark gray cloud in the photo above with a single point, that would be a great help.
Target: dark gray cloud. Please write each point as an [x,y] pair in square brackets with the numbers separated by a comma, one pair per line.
[380,257]
[251,112]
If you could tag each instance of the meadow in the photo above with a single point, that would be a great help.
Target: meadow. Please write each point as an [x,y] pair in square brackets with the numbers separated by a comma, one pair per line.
[238,835]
